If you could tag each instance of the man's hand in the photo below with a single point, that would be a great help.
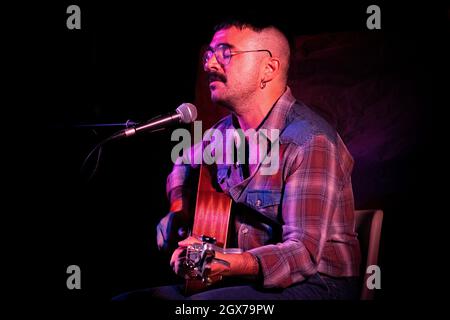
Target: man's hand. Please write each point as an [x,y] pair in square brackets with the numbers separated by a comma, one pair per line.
[170,230]
[244,264]
[177,262]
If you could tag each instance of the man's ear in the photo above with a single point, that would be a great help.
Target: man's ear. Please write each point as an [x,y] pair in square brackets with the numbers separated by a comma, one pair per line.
[271,69]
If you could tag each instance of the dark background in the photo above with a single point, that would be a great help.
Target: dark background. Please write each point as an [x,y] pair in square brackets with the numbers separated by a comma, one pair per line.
[135,61]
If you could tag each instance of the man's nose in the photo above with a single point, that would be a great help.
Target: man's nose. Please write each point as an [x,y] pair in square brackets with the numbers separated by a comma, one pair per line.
[211,64]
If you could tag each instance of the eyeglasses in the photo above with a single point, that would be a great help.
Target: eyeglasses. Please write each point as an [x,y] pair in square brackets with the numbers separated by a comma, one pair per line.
[223,54]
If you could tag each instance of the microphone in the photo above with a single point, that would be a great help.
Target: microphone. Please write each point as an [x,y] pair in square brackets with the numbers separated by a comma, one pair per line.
[185,113]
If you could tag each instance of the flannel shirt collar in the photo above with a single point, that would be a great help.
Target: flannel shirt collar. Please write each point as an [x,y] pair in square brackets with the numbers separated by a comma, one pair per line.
[277,116]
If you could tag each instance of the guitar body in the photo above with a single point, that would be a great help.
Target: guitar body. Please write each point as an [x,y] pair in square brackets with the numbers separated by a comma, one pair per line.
[212,216]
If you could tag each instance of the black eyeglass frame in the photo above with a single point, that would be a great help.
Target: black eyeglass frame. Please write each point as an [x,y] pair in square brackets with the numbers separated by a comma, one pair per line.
[223,58]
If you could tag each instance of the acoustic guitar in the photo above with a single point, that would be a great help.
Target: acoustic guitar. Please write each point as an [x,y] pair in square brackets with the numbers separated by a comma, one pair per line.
[212,217]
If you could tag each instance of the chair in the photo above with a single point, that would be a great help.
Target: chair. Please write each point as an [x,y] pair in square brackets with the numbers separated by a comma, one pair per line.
[368,227]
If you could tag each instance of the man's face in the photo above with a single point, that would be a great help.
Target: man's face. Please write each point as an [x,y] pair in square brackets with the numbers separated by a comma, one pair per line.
[239,77]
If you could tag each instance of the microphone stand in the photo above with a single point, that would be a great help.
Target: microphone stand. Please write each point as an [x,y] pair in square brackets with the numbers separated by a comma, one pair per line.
[128,131]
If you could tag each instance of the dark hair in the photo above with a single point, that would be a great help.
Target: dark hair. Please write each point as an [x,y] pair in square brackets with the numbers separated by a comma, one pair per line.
[256,26]
[257,23]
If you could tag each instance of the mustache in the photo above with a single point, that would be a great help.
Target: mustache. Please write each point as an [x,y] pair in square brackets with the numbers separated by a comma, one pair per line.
[214,76]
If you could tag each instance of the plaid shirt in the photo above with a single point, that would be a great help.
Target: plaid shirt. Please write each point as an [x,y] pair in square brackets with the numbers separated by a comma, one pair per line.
[300,220]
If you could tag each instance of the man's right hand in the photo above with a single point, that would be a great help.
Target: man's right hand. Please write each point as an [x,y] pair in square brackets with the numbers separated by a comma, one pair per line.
[170,230]
[177,262]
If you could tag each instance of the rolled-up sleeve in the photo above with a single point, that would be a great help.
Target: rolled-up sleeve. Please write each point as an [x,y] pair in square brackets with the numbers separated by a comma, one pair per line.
[307,205]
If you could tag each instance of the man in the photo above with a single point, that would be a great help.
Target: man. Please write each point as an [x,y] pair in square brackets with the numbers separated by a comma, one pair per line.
[298,232]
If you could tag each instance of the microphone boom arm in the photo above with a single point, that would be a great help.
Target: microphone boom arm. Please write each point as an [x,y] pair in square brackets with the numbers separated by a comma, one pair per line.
[150,124]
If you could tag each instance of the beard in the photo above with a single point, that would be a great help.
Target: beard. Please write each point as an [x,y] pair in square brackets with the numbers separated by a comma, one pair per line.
[226,94]
[218,91]
[221,100]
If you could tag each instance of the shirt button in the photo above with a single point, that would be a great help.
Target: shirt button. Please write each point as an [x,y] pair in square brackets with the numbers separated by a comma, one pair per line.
[258,203]
[244,231]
